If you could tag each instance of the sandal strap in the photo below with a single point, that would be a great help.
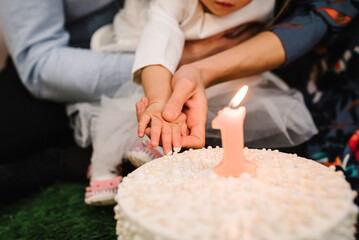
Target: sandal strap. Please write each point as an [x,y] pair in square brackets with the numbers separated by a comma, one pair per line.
[96,185]
[147,145]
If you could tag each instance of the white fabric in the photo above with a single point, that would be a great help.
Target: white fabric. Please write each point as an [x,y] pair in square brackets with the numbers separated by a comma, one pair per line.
[123,34]
[276,114]
[116,131]
[83,118]
[170,23]
[110,125]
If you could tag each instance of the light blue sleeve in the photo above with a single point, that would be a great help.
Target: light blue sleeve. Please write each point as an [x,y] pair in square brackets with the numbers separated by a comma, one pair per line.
[38,43]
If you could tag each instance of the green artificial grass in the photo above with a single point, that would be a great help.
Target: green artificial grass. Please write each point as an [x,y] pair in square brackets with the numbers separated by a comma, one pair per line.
[57,212]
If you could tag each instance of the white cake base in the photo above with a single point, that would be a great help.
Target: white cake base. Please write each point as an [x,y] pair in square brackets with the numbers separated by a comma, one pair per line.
[180,197]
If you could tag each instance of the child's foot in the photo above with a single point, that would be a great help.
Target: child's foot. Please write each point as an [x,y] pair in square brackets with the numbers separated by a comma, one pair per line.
[103,192]
[142,152]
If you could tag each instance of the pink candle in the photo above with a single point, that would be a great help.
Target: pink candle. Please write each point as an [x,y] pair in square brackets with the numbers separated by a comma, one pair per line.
[230,121]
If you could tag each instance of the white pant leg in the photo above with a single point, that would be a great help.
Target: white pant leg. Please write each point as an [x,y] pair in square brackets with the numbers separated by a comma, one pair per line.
[116,131]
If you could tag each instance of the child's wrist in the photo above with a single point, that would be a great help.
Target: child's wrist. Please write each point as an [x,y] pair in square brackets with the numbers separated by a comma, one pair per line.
[158,97]
[157,103]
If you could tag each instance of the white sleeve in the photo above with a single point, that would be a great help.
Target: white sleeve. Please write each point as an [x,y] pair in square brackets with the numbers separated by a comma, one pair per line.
[162,40]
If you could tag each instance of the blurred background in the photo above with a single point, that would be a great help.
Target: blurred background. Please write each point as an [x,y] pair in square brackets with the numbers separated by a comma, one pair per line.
[3,51]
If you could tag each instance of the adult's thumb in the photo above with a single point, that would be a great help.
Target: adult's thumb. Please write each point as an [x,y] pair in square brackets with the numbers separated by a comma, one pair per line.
[175,104]
[171,111]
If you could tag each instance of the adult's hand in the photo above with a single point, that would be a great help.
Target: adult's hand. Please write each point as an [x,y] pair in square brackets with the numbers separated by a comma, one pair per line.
[260,53]
[188,83]
[189,97]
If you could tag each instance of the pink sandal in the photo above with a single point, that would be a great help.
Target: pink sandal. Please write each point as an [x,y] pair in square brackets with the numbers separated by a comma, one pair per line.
[102,192]
[142,152]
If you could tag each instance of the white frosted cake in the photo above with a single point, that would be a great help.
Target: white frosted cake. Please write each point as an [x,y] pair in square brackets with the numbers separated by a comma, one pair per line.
[180,197]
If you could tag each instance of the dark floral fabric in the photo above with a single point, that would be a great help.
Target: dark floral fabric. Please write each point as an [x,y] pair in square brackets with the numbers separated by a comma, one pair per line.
[305,23]
[328,77]
[331,92]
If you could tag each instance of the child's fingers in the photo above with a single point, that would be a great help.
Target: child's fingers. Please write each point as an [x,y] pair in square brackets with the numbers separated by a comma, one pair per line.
[145,101]
[148,132]
[156,127]
[176,136]
[166,137]
[142,125]
[140,108]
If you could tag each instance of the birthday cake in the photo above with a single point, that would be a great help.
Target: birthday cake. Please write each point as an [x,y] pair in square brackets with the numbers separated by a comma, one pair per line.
[181,197]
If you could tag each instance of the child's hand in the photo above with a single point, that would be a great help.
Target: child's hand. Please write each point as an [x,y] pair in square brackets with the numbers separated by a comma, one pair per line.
[141,107]
[152,124]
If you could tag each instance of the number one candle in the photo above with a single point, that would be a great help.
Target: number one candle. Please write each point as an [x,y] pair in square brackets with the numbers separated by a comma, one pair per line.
[230,121]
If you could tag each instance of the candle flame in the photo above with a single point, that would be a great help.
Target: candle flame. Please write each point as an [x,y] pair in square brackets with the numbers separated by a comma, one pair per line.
[237,99]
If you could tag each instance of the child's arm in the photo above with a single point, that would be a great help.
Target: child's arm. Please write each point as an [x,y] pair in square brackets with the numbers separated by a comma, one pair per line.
[157,57]
[156,84]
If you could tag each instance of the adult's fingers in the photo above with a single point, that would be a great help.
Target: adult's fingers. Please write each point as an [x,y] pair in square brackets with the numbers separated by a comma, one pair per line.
[181,93]
[196,139]
[196,121]
[184,130]
[184,127]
